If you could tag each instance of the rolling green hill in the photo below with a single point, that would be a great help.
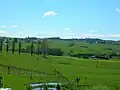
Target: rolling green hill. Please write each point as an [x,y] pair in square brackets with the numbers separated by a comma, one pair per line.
[106,72]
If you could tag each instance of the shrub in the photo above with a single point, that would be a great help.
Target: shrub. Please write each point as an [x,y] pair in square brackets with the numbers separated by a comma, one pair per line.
[84,46]
[107,48]
[55,51]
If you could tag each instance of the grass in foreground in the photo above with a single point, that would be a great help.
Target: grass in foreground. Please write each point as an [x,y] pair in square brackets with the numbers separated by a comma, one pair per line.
[108,72]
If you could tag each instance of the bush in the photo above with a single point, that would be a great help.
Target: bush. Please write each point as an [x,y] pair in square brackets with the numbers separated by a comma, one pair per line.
[55,51]
[84,46]
[107,48]
[103,57]
[82,55]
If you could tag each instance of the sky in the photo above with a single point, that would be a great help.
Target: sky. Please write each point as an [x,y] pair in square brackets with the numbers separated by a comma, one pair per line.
[60,18]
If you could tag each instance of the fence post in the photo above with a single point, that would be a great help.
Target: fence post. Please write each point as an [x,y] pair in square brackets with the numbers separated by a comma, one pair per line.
[85,80]
[8,69]
[31,77]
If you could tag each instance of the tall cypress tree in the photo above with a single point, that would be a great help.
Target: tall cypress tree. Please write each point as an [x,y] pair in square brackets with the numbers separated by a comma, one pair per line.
[13,46]
[38,47]
[7,47]
[32,46]
[1,44]
[19,51]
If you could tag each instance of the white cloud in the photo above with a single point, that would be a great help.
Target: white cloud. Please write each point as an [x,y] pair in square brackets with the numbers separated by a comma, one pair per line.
[3,26]
[49,13]
[117,9]
[14,26]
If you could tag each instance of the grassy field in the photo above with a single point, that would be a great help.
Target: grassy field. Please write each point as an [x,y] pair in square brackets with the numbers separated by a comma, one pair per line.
[108,72]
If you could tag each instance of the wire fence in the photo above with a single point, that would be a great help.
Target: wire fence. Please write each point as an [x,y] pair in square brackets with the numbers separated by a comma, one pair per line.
[22,72]
[30,73]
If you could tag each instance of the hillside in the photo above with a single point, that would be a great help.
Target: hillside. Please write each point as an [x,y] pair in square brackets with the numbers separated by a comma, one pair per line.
[85,48]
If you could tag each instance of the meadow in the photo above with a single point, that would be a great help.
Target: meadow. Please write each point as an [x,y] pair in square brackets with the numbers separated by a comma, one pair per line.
[107,72]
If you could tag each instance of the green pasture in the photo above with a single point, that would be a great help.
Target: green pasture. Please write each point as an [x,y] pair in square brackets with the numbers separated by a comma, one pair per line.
[107,72]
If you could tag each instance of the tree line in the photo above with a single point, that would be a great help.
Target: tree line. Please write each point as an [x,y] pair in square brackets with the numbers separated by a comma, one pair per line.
[13,46]
[41,49]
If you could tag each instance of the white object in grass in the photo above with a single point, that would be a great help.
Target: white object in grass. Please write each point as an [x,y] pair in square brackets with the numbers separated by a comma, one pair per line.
[5,89]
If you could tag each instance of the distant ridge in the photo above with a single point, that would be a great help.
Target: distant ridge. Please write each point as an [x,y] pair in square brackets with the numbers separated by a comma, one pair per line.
[58,38]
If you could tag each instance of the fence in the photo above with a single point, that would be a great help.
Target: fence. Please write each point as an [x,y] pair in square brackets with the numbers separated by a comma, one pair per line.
[30,73]
[22,72]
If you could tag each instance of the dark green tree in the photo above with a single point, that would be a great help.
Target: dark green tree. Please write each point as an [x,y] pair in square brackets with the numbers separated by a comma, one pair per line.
[1,44]
[32,47]
[13,46]
[44,47]
[38,47]
[7,46]
[19,50]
